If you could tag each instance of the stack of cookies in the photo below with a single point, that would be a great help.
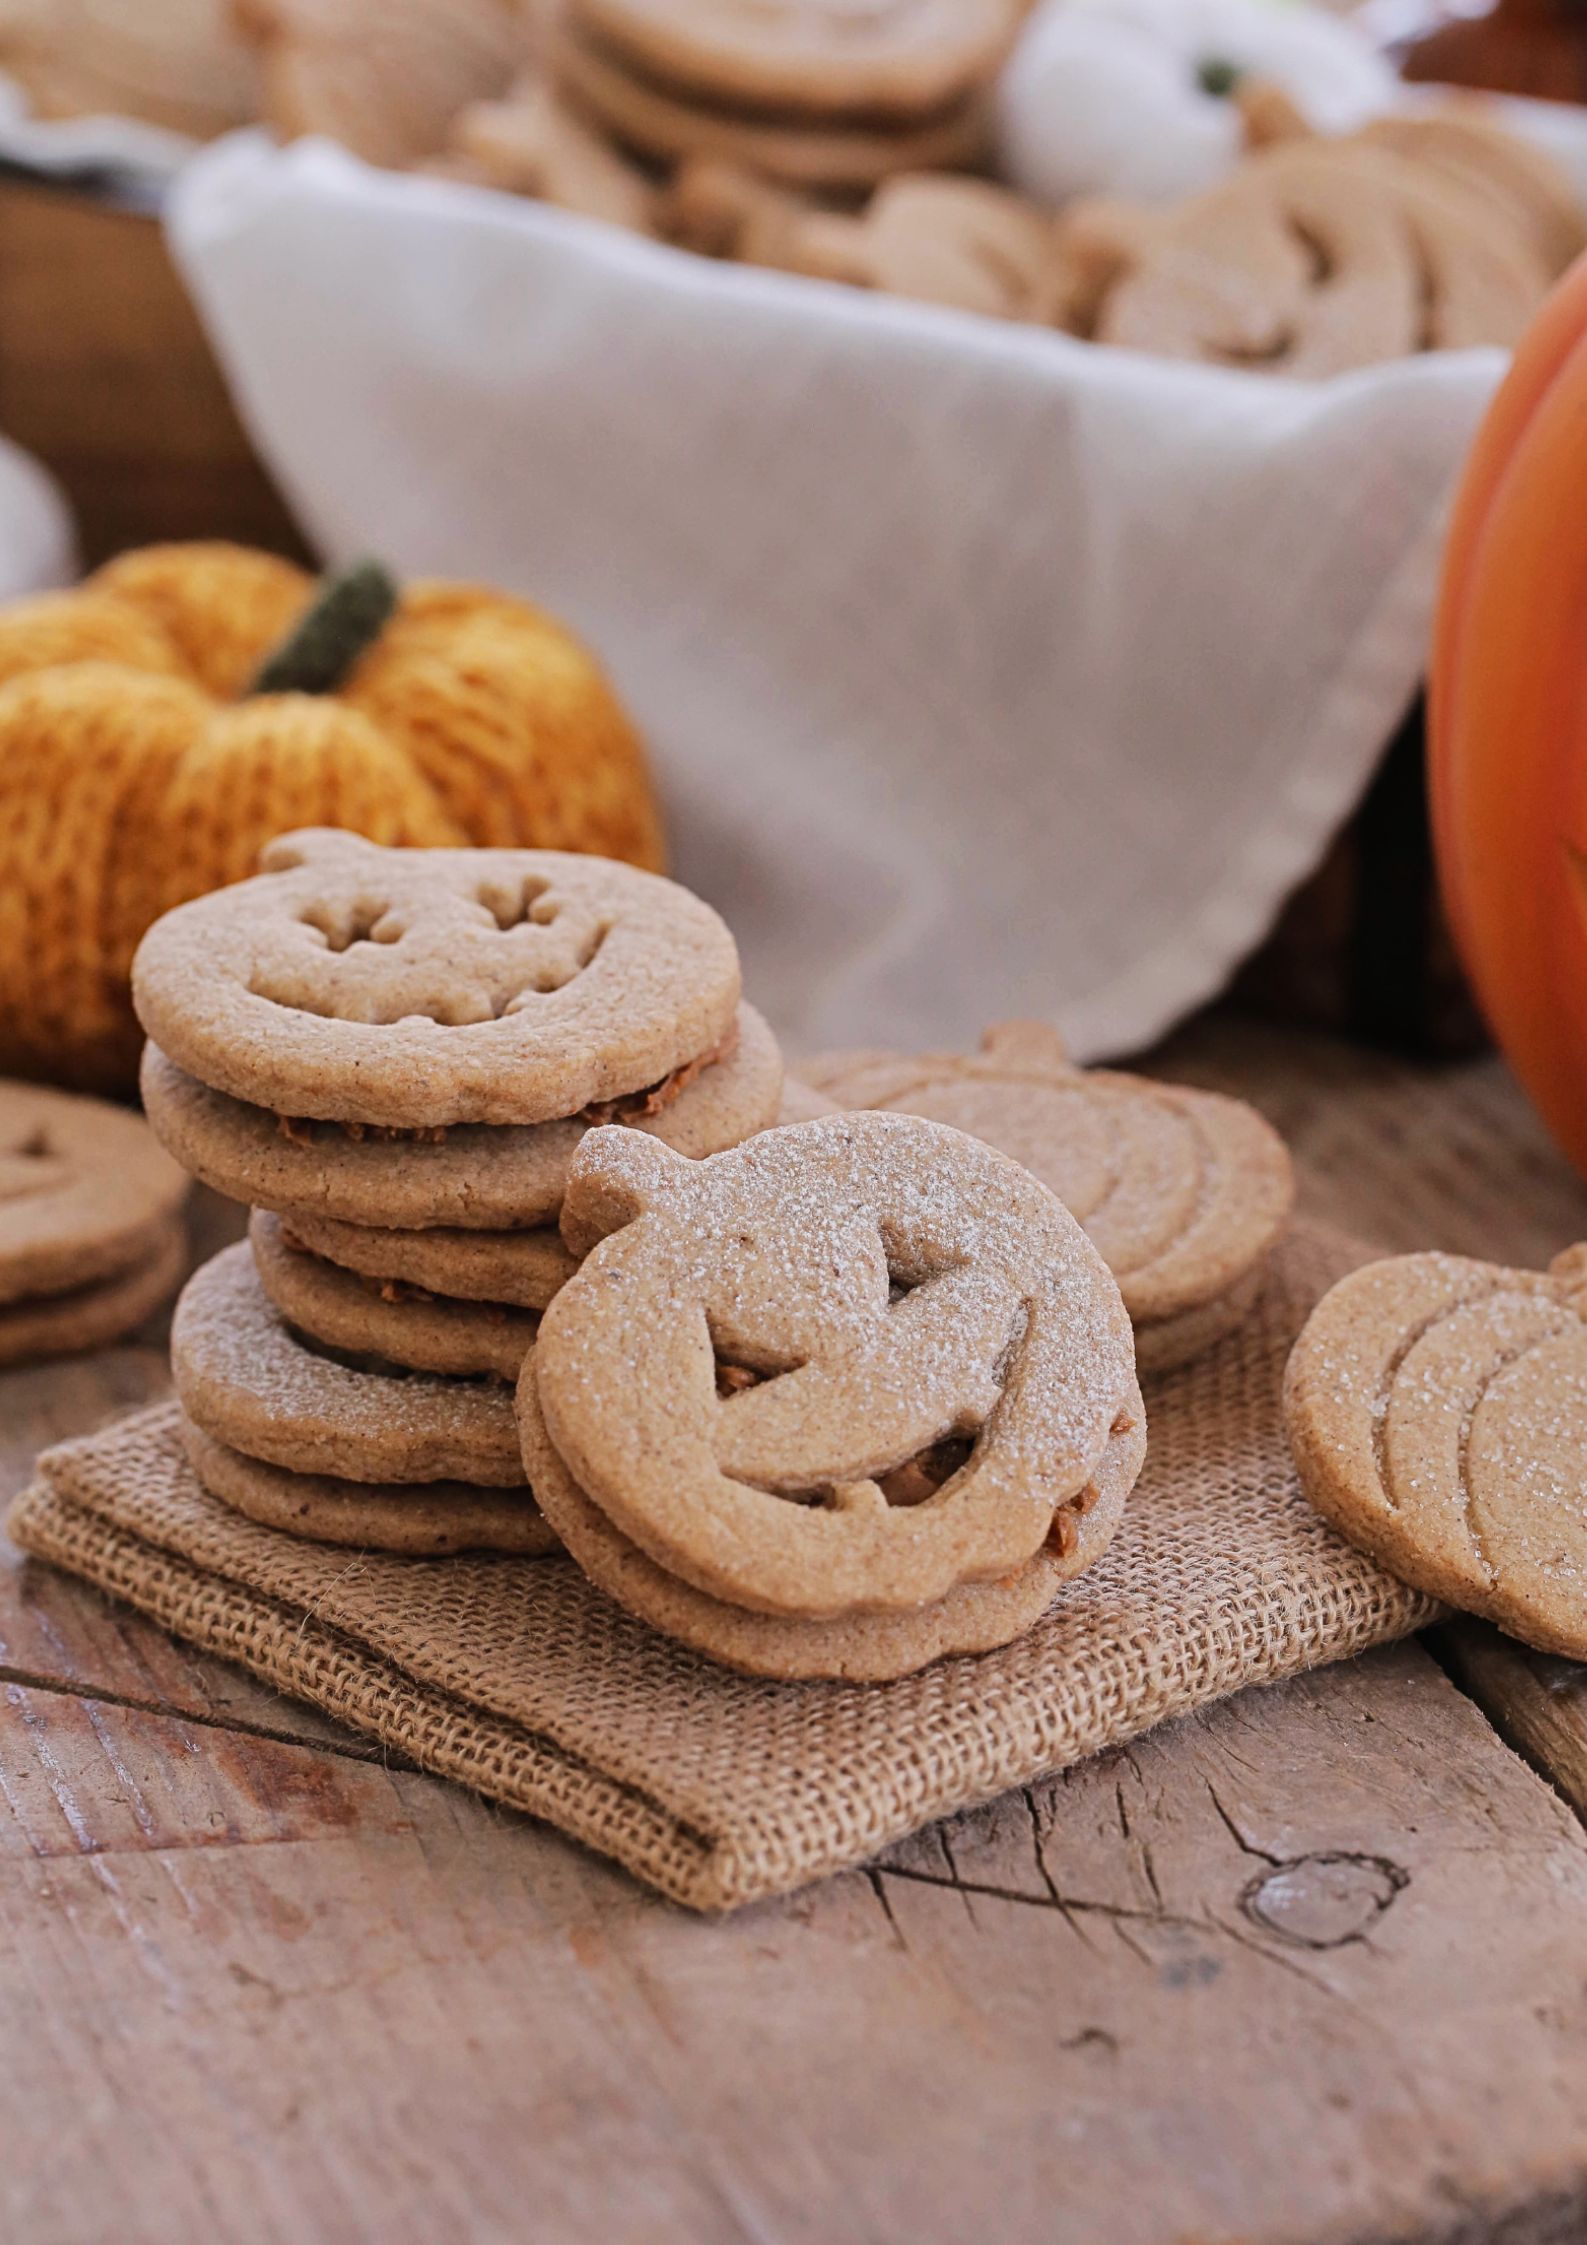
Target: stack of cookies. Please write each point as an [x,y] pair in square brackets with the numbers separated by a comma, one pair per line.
[828,98]
[91,1234]
[392,1056]
[855,1395]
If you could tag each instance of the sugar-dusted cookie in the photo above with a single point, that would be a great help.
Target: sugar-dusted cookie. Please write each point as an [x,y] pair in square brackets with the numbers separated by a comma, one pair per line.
[424,1520]
[842,1369]
[86,1192]
[965,243]
[416,989]
[655,122]
[860,1648]
[877,58]
[90,1317]
[246,1380]
[477,1177]
[1183,1192]
[427,1333]
[1437,1410]
[523,1269]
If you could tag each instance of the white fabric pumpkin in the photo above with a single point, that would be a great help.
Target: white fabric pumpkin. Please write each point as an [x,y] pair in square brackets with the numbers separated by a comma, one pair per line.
[1111,97]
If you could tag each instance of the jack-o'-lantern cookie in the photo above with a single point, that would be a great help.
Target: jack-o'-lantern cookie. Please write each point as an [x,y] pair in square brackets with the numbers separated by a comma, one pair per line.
[248,1381]
[421,1332]
[826,58]
[478,1177]
[939,240]
[418,989]
[1321,256]
[858,1648]
[1182,1192]
[420,1520]
[86,1192]
[530,144]
[1437,1410]
[843,1369]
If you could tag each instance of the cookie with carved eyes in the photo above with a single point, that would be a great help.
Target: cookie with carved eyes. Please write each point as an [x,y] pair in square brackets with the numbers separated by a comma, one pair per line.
[1183,1192]
[1319,257]
[246,1379]
[92,1316]
[858,1648]
[762,1355]
[964,243]
[420,1520]
[840,155]
[823,59]
[358,1317]
[418,989]
[86,1193]
[1437,1411]
[484,1177]
[529,143]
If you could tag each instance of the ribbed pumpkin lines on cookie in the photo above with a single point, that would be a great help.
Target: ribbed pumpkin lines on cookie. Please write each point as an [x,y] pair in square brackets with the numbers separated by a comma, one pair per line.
[137,770]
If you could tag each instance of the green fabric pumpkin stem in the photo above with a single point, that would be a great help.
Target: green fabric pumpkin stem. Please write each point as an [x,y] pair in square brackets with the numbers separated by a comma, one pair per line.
[348,613]
[1218,77]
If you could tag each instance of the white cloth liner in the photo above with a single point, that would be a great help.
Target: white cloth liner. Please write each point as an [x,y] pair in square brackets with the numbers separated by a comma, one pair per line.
[987,672]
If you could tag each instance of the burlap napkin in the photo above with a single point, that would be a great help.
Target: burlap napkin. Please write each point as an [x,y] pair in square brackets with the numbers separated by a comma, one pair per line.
[517,1677]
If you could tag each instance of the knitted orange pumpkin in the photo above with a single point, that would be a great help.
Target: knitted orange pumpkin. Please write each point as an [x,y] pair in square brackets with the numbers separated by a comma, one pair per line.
[164,721]
[1507,716]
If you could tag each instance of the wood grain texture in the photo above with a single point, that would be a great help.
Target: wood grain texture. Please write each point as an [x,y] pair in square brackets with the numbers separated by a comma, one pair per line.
[1304,1969]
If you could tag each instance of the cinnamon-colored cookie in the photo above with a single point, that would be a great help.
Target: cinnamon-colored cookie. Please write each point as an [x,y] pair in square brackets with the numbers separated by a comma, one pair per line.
[419,989]
[386,80]
[246,1380]
[1183,1192]
[531,144]
[1319,257]
[657,123]
[476,1177]
[1515,175]
[860,1648]
[1437,1410]
[842,1369]
[91,1317]
[86,1193]
[961,242]
[523,1269]
[423,1520]
[349,1314]
[179,64]
[823,58]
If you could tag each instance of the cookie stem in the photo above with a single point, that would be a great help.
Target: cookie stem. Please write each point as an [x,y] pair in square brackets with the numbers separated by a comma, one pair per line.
[347,614]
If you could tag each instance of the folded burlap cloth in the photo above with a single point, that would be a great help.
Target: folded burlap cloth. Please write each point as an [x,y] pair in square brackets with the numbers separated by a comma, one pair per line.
[517,1677]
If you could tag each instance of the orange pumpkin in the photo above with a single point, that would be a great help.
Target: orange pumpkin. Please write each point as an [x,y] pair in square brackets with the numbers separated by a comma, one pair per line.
[1507,719]
[164,721]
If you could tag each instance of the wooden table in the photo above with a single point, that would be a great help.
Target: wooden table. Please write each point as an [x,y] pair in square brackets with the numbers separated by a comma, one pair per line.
[1311,1966]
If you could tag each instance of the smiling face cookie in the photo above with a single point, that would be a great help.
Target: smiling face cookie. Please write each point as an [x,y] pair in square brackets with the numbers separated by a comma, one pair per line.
[1182,1192]
[418,989]
[842,1369]
[1437,1410]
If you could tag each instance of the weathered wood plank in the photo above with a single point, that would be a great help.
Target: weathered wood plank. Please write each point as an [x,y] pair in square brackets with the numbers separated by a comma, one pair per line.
[1537,1703]
[1290,1971]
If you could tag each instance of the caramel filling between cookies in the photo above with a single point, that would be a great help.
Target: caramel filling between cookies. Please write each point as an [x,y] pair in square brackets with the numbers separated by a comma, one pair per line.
[628,1107]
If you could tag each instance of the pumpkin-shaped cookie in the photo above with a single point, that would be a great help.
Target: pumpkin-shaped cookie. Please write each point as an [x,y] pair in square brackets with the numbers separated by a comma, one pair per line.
[188,703]
[1437,1410]
[1182,1192]
[842,1368]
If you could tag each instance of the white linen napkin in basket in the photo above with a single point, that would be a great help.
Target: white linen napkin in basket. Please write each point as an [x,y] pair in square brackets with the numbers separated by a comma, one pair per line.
[987,672]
